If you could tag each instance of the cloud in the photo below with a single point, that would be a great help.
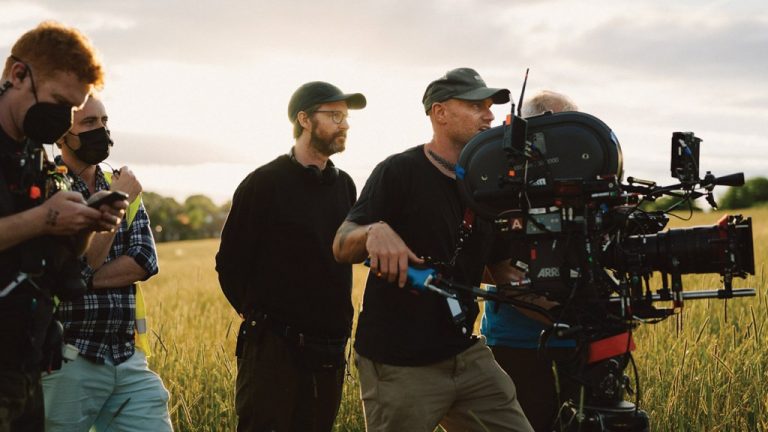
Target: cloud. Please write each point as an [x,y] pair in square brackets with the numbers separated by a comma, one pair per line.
[133,148]
[195,82]
[670,49]
[233,31]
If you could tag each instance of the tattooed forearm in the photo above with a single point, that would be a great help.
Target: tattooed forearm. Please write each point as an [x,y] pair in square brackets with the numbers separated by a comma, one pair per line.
[50,218]
[343,232]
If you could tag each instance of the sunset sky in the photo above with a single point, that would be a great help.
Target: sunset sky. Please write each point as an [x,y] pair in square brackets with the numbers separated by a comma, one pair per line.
[197,91]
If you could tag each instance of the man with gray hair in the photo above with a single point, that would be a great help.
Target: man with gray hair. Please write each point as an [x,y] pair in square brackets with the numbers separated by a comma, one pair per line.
[513,333]
[548,101]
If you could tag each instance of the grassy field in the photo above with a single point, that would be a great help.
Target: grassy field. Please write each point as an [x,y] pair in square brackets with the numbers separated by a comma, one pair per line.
[705,372]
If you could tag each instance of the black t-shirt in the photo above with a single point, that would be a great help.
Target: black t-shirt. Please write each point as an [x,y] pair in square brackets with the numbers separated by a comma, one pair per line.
[423,206]
[26,311]
[276,253]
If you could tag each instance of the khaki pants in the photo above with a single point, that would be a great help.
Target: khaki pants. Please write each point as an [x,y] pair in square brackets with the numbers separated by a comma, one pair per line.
[468,392]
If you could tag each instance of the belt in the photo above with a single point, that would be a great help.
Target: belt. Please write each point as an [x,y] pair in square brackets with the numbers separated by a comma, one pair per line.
[291,333]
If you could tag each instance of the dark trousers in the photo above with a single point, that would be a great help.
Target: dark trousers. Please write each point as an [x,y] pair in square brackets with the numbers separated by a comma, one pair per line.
[535,382]
[21,402]
[275,393]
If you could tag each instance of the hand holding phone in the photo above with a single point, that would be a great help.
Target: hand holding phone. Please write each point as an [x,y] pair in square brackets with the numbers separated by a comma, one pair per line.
[112,214]
[96,201]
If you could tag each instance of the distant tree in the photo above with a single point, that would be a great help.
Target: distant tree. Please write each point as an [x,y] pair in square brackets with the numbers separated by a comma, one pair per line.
[754,191]
[199,217]
[204,217]
[164,216]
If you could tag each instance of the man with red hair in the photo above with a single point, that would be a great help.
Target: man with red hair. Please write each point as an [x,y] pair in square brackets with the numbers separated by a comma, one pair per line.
[48,75]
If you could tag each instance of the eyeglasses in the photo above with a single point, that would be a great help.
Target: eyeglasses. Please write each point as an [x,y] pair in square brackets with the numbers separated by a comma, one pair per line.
[337,116]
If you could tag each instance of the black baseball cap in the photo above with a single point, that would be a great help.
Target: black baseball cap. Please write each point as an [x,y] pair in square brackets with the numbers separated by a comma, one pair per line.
[319,92]
[464,84]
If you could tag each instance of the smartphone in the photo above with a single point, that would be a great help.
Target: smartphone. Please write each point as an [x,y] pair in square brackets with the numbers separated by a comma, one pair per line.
[107,199]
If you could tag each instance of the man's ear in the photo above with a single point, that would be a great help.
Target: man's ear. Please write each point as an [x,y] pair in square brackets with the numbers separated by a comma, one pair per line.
[304,120]
[17,74]
[439,112]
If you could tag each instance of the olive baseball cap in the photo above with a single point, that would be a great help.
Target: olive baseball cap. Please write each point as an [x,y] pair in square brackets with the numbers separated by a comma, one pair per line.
[319,92]
[464,84]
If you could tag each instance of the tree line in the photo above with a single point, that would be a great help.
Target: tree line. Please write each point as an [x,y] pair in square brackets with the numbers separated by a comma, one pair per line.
[198,217]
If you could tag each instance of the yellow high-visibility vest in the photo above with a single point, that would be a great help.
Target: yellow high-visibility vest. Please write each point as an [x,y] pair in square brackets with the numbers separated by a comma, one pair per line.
[140,332]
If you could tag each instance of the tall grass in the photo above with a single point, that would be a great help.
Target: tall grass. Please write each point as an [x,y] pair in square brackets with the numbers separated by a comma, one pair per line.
[705,372]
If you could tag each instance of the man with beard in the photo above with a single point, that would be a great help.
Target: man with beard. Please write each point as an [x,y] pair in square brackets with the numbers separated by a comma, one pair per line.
[49,74]
[276,268]
[109,384]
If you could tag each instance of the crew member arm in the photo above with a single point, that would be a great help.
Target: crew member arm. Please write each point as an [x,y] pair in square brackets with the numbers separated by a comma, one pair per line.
[367,230]
[349,242]
[137,260]
[503,273]
[389,255]
[240,246]
[125,181]
[20,227]
[65,213]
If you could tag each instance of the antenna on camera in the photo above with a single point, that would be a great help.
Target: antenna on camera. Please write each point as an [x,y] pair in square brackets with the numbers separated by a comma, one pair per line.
[522,93]
[515,130]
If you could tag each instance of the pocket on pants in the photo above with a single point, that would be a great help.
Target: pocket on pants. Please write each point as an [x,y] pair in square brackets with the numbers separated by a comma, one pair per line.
[368,376]
[323,356]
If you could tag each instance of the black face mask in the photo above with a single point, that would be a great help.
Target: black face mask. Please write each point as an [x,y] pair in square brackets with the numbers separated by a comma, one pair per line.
[45,122]
[94,146]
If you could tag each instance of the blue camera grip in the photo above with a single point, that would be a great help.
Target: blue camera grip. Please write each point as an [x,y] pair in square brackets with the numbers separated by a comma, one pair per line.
[418,277]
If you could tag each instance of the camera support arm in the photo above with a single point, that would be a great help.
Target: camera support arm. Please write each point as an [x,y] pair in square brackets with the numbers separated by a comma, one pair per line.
[427,279]
[650,189]
[699,295]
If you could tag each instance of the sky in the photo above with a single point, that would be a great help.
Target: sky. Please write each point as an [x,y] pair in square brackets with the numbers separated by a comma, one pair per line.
[197,91]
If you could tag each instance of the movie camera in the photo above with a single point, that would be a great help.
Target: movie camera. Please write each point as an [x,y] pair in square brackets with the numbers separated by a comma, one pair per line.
[554,181]
[553,185]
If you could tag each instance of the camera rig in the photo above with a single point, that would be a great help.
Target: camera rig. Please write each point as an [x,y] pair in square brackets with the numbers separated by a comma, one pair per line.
[552,185]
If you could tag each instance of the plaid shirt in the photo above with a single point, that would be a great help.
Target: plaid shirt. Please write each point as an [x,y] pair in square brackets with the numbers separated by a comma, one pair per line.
[101,323]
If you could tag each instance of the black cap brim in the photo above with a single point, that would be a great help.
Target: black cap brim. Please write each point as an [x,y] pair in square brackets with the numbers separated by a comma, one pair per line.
[353,100]
[498,96]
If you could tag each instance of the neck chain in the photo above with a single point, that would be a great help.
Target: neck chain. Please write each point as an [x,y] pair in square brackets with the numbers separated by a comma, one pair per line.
[443,163]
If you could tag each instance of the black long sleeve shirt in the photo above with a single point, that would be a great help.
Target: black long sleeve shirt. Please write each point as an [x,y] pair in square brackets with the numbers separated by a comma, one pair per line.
[276,248]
